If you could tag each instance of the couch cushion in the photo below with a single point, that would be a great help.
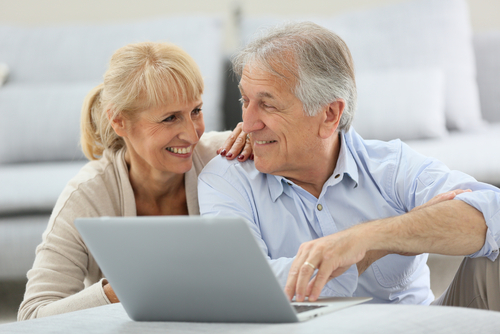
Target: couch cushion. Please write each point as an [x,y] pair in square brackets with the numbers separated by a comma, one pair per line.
[34,187]
[405,104]
[487,49]
[4,73]
[476,154]
[19,237]
[412,34]
[75,53]
[41,122]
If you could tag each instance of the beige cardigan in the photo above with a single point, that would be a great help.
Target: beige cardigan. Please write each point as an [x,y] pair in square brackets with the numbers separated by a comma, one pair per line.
[65,277]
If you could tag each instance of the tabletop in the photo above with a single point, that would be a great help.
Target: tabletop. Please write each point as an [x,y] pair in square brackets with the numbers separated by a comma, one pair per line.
[364,318]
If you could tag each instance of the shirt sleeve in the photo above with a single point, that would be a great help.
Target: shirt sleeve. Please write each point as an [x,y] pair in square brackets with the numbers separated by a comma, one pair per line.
[225,196]
[421,179]
[56,283]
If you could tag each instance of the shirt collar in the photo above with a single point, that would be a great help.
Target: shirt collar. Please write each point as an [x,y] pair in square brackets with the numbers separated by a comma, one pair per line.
[345,165]
[278,185]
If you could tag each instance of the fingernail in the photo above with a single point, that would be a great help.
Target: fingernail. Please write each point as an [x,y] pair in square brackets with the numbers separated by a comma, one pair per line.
[223,152]
[251,157]
[229,155]
[241,156]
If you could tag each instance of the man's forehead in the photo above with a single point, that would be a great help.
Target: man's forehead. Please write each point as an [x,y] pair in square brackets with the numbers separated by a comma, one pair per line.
[269,83]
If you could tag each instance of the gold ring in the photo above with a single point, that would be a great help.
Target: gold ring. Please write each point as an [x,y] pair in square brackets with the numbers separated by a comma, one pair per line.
[310,265]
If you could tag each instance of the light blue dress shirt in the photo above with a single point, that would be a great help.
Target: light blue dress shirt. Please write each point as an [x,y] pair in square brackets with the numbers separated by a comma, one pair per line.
[372,180]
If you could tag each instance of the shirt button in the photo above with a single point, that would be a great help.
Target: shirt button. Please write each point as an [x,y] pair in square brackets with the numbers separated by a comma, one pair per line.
[320,207]
[337,176]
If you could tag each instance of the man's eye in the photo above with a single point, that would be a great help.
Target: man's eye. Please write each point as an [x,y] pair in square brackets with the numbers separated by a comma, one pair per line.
[243,101]
[267,106]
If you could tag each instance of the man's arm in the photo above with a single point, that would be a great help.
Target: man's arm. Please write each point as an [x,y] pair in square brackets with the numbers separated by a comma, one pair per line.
[374,255]
[450,228]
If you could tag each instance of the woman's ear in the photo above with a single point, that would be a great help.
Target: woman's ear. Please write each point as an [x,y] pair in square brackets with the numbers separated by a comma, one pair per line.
[117,123]
[331,118]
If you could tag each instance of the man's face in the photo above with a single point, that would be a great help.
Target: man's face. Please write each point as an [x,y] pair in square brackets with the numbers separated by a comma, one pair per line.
[284,139]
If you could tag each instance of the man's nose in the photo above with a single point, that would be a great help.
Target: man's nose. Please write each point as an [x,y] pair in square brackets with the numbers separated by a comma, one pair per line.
[251,118]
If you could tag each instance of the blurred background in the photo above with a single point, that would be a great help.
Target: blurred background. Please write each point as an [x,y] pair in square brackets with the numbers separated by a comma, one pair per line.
[54,51]
[484,14]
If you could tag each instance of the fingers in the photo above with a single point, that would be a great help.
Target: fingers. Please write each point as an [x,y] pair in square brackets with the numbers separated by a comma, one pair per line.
[449,195]
[294,272]
[247,151]
[310,286]
[301,272]
[228,144]
[237,145]
[323,275]
[305,273]
[331,256]
[301,285]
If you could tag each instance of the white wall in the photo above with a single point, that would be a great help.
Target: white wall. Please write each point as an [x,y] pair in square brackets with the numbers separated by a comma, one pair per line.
[485,14]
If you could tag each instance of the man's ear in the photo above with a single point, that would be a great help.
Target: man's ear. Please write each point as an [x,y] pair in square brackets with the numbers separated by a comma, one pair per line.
[331,115]
[117,123]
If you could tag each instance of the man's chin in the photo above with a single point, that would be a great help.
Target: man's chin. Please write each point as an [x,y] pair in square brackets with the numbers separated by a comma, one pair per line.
[262,165]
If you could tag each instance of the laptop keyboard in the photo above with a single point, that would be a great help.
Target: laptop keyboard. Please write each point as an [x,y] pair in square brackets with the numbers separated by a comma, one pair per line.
[303,308]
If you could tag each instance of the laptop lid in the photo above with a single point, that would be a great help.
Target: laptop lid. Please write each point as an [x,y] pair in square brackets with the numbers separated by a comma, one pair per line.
[187,268]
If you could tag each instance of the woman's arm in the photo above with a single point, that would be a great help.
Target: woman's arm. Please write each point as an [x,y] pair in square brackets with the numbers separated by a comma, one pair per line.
[65,277]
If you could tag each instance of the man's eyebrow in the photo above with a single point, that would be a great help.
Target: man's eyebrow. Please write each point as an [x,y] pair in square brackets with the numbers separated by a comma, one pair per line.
[260,94]
[265,94]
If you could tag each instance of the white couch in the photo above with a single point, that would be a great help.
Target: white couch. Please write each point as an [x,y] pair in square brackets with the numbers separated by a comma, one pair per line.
[51,69]
[416,64]
[423,77]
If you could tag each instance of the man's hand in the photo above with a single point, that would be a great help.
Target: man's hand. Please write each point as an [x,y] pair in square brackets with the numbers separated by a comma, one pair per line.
[334,254]
[331,255]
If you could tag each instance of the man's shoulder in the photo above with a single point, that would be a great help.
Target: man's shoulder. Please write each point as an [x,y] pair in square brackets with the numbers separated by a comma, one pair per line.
[224,167]
[376,150]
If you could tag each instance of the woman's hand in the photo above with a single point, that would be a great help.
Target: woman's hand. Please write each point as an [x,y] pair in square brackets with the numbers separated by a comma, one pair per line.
[237,145]
[108,290]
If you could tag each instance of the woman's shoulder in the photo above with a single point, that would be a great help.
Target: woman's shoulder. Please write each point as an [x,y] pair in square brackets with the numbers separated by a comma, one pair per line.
[98,187]
[207,147]
[213,139]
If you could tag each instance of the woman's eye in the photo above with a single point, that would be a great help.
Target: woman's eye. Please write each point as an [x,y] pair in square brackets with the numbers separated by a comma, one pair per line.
[169,119]
[196,111]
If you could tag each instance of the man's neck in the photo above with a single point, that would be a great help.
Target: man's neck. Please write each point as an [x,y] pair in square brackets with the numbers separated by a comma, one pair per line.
[315,176]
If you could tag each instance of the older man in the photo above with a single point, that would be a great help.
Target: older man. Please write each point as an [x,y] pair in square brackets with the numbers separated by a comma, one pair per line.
[337,215]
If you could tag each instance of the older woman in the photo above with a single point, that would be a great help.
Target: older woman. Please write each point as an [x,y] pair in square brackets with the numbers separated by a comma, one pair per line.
[143,130]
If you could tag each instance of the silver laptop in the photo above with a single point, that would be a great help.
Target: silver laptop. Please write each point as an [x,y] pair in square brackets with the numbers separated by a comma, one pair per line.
[192,268]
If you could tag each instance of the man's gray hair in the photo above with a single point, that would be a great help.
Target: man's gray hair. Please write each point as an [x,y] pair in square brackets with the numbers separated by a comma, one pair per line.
[317,58]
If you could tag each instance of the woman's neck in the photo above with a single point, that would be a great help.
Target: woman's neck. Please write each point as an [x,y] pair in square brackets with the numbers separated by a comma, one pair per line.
[157,193]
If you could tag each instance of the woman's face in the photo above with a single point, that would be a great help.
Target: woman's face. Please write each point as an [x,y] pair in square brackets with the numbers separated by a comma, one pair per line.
[163,138]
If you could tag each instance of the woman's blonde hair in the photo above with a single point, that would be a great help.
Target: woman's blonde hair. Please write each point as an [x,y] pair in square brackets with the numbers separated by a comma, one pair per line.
[140,76]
